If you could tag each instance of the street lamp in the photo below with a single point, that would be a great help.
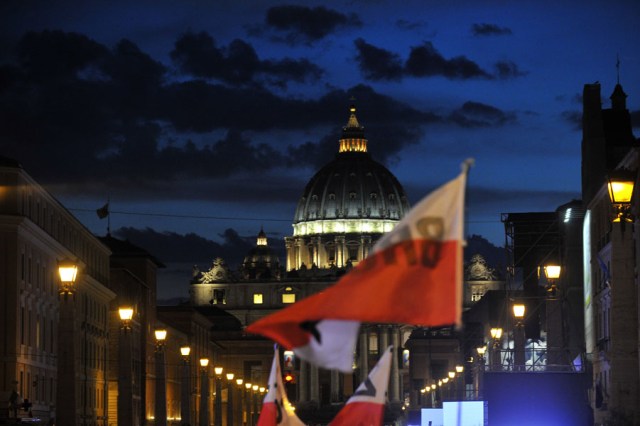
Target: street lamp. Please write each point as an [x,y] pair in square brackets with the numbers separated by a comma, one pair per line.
[125,372]
[66,383]
[161,388]
[551,274]
[496,335]
[217,420]
[185,397]
[230,399]
[519,337]
[204,393]
[620,185]
[68,272]
[126,313]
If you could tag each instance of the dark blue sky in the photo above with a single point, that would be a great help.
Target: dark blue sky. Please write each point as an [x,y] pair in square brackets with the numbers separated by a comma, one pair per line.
[224,109]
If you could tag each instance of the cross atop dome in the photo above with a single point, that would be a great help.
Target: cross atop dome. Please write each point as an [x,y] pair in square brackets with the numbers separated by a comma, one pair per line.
[353,139]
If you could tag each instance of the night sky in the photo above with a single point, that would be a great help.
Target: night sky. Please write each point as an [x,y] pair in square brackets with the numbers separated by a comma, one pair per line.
[203,121]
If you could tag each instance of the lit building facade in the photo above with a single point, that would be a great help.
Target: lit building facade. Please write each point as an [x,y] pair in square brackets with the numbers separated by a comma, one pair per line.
[36,232]
[610,261]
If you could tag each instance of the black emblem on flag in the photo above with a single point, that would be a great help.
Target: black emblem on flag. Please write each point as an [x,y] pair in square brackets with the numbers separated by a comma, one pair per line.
[369,389]
[311,327]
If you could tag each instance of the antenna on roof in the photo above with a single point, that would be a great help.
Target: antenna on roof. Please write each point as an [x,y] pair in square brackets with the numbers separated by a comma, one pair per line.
[618,67]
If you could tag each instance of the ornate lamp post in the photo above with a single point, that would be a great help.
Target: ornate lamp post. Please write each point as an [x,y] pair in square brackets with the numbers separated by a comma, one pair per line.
[204,393]
[66,383]
[445,391]
[239,382]
[125,371]
[161,387]
[519,338]
[496,362]
[480,376]
[451,390]
[217,420]
[255,411]
[553,314]
[230,399]
[460,381]
[248,410]
[185,388]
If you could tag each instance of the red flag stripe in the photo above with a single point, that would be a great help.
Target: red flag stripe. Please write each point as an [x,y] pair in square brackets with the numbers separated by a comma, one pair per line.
[359,414]
[382,288]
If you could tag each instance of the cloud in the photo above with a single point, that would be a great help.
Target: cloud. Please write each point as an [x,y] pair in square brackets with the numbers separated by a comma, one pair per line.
[476,114]
[376,63]
[238,63]
[574,118]
[507,69]
[174,247]
[425,61]
[305,24]
[481,30]
[165,133]
[410,25]
[56,55]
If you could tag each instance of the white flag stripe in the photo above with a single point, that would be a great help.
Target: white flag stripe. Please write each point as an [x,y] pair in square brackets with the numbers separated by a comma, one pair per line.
[446,203]
[379,378]
[336,347]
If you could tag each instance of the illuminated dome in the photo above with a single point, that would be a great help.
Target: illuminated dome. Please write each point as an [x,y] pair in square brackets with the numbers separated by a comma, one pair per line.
[345,207]
[261,262]
[353,193]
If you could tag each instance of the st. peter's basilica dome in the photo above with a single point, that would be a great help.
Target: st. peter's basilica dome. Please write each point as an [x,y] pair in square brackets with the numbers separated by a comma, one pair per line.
[345,207]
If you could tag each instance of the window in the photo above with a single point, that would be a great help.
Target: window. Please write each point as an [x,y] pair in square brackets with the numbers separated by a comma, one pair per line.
[218,297]
[477,293]
[332,196]
[288,298]
[257,298]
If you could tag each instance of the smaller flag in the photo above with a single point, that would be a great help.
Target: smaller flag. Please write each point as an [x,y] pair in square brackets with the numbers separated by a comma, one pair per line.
[276,408]
[366,405]
[103,211]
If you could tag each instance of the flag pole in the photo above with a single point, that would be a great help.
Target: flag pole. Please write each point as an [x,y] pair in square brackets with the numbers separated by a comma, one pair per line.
[466,165]
[108,216]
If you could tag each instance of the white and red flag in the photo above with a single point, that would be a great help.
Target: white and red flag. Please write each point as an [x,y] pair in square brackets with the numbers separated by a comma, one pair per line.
[366,405]
[276,408]
[412,276]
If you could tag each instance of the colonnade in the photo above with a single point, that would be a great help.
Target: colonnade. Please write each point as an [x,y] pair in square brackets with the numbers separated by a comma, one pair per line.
[324,251]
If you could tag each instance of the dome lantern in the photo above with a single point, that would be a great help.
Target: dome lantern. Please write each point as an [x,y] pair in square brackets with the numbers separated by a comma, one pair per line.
[353,139]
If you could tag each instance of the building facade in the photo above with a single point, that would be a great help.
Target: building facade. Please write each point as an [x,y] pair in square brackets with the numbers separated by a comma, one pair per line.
[36,232]
[610,261]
